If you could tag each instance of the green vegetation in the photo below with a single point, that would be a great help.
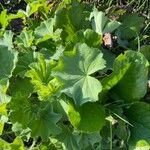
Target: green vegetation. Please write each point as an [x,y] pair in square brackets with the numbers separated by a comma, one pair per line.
[74,75]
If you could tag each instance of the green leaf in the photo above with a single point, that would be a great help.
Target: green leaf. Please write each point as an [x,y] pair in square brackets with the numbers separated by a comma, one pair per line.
[32,8]
[75,69]
[4,145]
[44,84]
[3,110]
[40,6]
[111,26]
[23,84]
[141,145]
[101,24]
[45,28]
[25,39]
[1,127]
[89,117]
[8,61]
[4,99]
[145,50]
[4,83]
[109,58]
[72,140]
[38,116]
[31,113]
[139,116]
[90,37]
[71,19]
[44,123]
[16,145]
[131,26]
[130,73]
[4,19]
[6,40]
[19,14]
[24,60]
[66,140]
[89,141]
[63,22]
[58,53]
[46,31]
[24,134]
[48,145]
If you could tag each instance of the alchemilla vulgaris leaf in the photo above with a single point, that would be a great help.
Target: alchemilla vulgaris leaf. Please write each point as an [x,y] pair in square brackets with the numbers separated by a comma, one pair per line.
[8,61]
[89,117]
[130,74]
[101,24]
[44,84]
[139,116]
[72,77]
[38,116]
[75,68]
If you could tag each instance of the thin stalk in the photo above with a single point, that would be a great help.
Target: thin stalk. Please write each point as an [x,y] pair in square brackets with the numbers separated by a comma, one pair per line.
[139,45]
[130,3]
[111,144]
[123,119]
[147,27]
[32,146]
[110,3]
[140,7]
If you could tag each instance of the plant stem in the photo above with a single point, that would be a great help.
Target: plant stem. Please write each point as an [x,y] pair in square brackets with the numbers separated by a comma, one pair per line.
[111,137]
[110,127]
[33,144]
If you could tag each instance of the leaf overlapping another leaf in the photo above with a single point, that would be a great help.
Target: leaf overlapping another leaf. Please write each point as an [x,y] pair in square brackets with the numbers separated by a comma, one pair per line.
[17,144]
[8,59]
[71,19]
[89,117]
[131,26]
[7,39]
[101,24]
[38,116]
[44,84]
[75,68]
[54,89]
[139,116]
[130,73]
[25,40]
[46,31]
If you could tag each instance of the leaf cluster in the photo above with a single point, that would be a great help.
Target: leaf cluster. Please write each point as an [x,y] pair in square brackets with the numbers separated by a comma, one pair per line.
[62,87]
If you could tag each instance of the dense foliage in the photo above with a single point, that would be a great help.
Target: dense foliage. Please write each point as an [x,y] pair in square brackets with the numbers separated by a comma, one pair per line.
[73,78]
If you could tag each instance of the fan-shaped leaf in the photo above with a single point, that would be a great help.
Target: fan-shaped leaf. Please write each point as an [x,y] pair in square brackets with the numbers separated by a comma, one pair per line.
[75,69]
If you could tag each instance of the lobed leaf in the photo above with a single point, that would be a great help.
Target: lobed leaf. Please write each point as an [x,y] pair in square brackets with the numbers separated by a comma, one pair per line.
[44,84]
[75,68]
[130,73]
[38,116]
[8,61]
[89,117]
[101,24]
[139,116]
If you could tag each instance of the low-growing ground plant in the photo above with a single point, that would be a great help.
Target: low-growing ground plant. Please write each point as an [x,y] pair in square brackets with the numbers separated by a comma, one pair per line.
[74,76]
